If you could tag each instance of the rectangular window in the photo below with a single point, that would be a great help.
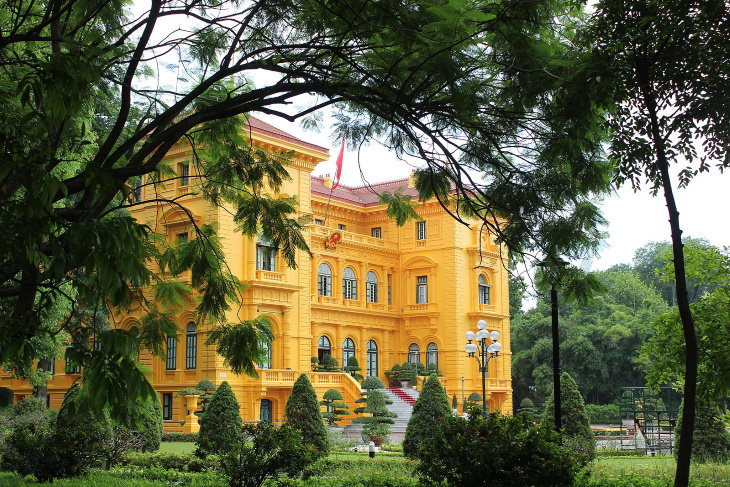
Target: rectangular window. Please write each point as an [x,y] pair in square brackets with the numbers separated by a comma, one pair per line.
[72,369]
[184,173]
[390,289]
[191,350]
[181,238]
[371,292]
[167,406]
[324,285]
[484,294]
[171,362]
[422,289]
[97,345]
[421,230]
[342,226]
[265,258]
[376,232]
[317,221]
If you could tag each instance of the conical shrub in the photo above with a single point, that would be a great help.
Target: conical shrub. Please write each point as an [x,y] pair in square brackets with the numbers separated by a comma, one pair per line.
[302,414]
[577,432]
[220,425]
[431,407]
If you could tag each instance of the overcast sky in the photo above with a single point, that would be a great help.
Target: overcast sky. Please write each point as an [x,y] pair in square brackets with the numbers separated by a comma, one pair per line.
[634,218]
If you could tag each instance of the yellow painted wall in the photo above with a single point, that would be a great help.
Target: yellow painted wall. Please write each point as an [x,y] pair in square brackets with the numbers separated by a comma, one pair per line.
[451,257]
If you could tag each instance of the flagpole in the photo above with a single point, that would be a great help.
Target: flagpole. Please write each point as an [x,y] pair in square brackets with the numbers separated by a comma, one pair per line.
[338,163]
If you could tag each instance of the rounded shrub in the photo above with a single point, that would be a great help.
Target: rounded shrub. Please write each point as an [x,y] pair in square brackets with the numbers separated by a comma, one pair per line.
[430,408]
[372,382]
[150,427]
[335,408]
[302,414]
[220,426]
[501,450]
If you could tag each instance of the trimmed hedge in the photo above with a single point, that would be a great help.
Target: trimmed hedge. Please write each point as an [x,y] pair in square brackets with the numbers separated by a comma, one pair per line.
[603,413]
[171,461]
[180,437]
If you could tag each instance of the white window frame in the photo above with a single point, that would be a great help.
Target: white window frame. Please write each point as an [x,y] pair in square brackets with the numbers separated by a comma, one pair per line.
[421,289]
[371,287]
[324,280]
[349,284]
[421,232]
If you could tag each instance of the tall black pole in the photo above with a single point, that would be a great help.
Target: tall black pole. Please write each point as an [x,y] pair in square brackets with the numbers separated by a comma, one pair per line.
[484,379]
[556,358]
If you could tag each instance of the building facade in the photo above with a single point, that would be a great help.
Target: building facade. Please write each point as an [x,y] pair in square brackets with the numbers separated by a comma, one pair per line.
[371,289]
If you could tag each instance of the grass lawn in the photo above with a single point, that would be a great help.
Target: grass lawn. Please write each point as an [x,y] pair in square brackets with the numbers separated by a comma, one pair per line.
[656,468]
[183,447]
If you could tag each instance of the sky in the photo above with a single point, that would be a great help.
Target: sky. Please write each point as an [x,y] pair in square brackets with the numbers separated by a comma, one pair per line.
[634,219]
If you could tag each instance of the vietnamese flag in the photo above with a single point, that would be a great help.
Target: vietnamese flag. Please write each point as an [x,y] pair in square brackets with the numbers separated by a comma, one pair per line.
[339,165]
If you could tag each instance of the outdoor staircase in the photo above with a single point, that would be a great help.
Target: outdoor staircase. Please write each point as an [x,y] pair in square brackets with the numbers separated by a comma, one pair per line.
[402,405]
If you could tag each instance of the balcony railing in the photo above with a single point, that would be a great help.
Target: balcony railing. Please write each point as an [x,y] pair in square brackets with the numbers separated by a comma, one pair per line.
[355,238]
[262,275]
[286,378]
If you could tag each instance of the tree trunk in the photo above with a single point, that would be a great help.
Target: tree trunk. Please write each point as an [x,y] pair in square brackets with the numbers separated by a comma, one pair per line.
[684,451]
[40,392]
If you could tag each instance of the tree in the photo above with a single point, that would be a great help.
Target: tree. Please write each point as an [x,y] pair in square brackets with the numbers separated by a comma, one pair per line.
[220,426]
[377,425]
[454,403]
[207,389]
[328,364]
[599,340]
[712,440]
[472,80]
[431,407]
[662,113]
[302,414]
[334,407]
[577,432]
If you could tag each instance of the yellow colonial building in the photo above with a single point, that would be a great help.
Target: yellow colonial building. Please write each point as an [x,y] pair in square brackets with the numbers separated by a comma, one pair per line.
[382,293]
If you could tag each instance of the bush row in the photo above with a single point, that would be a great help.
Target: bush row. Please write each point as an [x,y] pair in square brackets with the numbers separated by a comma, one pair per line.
[180,437]
[171,461]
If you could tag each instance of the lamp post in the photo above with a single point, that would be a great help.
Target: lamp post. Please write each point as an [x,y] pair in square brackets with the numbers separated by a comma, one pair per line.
[477,342]
[555,263]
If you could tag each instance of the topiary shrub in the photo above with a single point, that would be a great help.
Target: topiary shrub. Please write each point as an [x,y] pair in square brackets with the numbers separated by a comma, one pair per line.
[430,408]
[328,364]
[376,427]
[220,426]
[7,396]
[334,407]
[315,363]
[353,368]
[501,450]
[527,407]
[577,432]
[408,373]
[369,384]
[150,427]
[454,403]
[711,440]
[302,414]
[473,401]
[206,388]
[393,375]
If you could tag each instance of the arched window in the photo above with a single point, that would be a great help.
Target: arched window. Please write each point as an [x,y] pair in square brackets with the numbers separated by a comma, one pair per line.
[324,280]
[432,355]
[349,284]
[372,359]
[323,347]
[414,353]
[371,287]
[484,290]
[266,410]
[265,254]
[191,346]
[348,350]
[266,360]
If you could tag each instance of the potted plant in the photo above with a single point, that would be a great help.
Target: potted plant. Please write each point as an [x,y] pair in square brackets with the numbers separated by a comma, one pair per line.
[407,374]
[393,375]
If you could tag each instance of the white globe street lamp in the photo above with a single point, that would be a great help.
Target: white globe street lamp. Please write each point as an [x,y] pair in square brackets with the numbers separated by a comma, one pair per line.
[483,346]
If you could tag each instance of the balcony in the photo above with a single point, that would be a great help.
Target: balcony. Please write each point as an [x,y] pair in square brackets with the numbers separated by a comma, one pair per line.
[262,275]
[420,307]
[353,238]
[286,378]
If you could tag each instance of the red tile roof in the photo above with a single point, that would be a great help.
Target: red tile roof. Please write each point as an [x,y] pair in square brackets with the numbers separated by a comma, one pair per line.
[259,126]
[361,195]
